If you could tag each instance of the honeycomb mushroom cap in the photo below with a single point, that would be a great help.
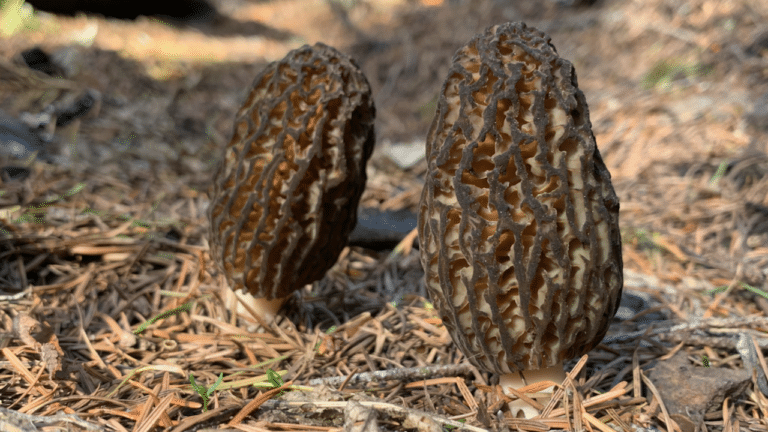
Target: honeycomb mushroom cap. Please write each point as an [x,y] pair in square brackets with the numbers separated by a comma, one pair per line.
[285,194]
[518,224]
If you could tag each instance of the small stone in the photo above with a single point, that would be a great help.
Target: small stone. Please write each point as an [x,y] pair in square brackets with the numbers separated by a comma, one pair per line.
[692,391]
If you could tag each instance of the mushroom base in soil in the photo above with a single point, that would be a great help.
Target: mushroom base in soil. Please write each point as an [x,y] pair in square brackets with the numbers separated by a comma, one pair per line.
[247,304]
[517,380]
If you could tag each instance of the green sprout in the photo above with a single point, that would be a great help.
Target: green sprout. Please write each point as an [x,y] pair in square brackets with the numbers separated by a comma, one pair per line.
[449,427]
[747,287]
[329,331]
[276,380]
[259,382]
[705,360]
[719,173]
[645,241]
[663,73]
[185,307]
[177,310]
[204,393]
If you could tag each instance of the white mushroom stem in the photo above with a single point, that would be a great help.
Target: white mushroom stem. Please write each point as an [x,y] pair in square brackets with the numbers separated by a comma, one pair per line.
[265,311]
[518,407]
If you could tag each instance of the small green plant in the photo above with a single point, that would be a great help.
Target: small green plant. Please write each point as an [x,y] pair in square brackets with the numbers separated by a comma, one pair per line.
[705,360]
[185,307]
[429,307]
[643,239]
[719,173]
[166,314]
[663,73]
[451,427]
[747,287]
[276,380]
[204,393]
[327,332]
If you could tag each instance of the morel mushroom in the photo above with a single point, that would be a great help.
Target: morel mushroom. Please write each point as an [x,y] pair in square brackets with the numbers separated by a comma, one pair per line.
[518,225]
[285,194]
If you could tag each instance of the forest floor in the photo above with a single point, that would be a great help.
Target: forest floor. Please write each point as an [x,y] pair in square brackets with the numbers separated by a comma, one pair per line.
[111,230]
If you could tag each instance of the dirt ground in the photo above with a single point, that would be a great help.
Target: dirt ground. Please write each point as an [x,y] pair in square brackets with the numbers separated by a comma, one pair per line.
[110,229]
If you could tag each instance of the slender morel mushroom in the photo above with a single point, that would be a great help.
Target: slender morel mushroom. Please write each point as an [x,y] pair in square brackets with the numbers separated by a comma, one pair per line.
[285,194]
[518,226]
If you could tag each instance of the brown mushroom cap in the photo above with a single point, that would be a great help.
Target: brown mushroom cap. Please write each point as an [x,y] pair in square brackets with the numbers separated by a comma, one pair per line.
[518,226]
[285,194]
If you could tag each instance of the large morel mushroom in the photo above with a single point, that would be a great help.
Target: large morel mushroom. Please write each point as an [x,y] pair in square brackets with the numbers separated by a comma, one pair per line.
[518,227]
[285,194]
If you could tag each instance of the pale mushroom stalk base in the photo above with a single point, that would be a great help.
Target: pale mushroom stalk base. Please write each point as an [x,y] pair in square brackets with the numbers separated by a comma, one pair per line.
[265,309]
[517,380]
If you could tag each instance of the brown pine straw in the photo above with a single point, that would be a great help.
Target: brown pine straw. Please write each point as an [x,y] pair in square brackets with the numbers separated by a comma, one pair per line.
[379,406]
[158,414]
[84,270]
[670,423]
[256,403]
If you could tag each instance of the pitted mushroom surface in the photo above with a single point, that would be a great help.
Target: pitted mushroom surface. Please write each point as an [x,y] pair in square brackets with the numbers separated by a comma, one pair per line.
[518,225]
[285,194]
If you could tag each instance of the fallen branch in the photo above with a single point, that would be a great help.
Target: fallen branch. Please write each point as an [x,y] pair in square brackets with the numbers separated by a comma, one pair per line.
[395,374]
